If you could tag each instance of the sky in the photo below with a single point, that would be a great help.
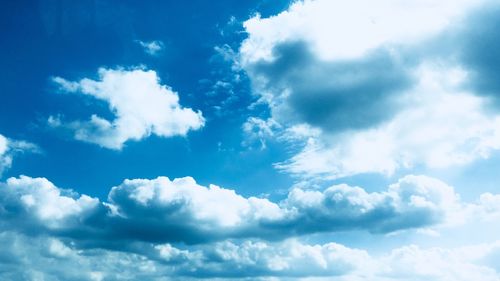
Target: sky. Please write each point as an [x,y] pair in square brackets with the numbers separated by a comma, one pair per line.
[250,140]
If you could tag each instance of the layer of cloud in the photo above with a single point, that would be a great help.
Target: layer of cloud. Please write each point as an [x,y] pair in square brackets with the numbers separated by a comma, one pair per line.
[47,258]
[161,210]
[140,104]
[150,229]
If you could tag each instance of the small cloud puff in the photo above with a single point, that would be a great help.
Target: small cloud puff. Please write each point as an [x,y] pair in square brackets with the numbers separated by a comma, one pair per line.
[140,104]
[152,48]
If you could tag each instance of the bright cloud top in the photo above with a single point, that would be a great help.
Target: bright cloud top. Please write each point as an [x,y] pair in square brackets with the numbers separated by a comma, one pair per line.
[347,30]
[365,81]
[141,105]
[161,210]
[143,221]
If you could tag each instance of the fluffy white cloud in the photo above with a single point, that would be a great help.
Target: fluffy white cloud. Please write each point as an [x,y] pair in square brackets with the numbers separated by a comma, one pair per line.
[444,126]
[47,258]
[140,104]
[27,258]
[139,228]
[216,213]
[161,210]
[360,75]
[183,204]
[38,202]
[346,30]
[286,259]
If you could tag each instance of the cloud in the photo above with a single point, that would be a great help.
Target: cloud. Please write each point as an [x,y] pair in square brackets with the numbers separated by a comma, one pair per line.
[156,228]
[9,147]
[152,48]
[445,126]
[381,89]
[140,104]
[337,30]
[414,263]
[476,44]
[258,130]
[288,259]
[332,95]
[163,211]
[47,258]
[5,161]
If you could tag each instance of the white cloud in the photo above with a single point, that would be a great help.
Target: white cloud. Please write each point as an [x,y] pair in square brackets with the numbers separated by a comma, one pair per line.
[46,258]
[441,126]
[9,147]
[415,263]
[41,223]
[141,105]
[152,48]
[183,199]
[42,201]
[414,201]
[180,210]
[346,30]
[358,73]
[5,160]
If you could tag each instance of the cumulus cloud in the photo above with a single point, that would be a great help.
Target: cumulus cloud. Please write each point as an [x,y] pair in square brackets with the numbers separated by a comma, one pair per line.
[48,258]
[370,84]
[156,228]
[37,205]
[337,30]
[140,104]
[445,126]
[162,210]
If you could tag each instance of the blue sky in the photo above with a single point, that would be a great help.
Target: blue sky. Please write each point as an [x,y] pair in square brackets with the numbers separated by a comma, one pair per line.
[257,140]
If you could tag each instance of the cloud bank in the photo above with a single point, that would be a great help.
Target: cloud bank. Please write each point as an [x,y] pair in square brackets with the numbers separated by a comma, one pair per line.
[170,211]
[47,258]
